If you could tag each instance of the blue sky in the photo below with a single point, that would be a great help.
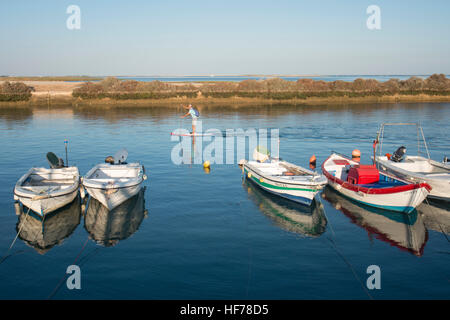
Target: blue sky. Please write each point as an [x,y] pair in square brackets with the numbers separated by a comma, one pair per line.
[224,37]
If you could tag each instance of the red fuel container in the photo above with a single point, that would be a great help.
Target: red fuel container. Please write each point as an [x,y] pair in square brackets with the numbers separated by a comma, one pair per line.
[363,174]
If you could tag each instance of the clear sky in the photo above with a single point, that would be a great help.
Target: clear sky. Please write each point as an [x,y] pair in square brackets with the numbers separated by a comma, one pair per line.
[201,37]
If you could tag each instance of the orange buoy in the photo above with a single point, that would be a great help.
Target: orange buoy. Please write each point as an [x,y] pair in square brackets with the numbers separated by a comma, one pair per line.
[388,156]
[312,162]
[356,155]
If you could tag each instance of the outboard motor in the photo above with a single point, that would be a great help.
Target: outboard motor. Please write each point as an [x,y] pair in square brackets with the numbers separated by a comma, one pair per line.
[398,154]
[109,159]
[445,159]
[54,161]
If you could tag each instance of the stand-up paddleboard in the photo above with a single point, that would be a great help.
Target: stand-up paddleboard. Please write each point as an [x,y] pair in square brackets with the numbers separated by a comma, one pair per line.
[190,134]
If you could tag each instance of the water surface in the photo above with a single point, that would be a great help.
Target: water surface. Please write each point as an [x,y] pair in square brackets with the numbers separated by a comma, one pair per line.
[193,235]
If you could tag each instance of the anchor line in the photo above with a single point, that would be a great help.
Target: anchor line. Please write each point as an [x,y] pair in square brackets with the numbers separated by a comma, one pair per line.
[15,238]
[347,262]
[63,278]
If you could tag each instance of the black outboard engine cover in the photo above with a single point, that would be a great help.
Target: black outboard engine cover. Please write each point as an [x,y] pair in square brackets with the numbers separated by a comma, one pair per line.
[54,161]
[398,155]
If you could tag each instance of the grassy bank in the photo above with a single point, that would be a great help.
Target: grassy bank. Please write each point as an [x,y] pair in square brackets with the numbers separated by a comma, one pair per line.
[67,101]
[115,92]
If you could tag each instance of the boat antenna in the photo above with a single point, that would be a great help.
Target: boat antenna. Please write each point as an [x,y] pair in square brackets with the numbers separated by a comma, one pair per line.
[65,145]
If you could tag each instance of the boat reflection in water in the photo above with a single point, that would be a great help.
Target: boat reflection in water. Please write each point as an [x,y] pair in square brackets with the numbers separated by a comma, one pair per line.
[58,225]
[106,227]
[436,215]
[404,231]
[309,221]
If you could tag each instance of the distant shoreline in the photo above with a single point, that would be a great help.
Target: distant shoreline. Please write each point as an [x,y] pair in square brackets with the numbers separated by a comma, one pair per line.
[156,93]
[66,100]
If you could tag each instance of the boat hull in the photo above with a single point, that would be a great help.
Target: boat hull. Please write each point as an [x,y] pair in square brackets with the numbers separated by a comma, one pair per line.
[112,185]
[440,183]
[403,198]
[45,206]
[405,202]
[293,192]
[112,198]
[43,200]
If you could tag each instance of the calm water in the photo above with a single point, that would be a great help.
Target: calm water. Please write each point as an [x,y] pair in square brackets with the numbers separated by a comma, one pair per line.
[197,235]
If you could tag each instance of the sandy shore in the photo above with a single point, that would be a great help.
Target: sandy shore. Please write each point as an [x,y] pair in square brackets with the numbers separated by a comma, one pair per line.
[52,87]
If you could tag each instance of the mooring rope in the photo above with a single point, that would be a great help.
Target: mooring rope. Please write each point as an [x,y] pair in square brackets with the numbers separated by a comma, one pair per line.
[15,238]
[334,245]
[55,290]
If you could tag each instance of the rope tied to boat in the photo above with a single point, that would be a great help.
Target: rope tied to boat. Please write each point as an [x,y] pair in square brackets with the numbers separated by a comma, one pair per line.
[333,242]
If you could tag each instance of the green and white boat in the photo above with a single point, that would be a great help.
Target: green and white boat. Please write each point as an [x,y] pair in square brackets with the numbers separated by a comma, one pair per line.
[284,179]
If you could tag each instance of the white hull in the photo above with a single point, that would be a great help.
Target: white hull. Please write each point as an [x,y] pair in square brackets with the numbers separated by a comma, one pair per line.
[46,190]
[404,197]
[405,201]
[112,185]
[419,169]
[112,198]
[45,206]
[298,188]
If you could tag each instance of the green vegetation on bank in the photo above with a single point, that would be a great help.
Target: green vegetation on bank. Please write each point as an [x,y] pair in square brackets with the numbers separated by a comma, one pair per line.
[436,87]
[276,88]
[14,91]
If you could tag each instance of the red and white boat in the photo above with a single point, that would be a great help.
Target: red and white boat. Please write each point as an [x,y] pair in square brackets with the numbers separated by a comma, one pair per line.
[365,184]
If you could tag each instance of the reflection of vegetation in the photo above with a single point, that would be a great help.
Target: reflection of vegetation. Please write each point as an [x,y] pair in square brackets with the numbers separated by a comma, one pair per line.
[14,91]
[276,88]
[15,114]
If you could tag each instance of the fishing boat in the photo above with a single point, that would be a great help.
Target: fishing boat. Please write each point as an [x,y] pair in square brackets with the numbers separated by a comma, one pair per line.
[282,178]
[366,184]
[415,168]
[309,221]
[46,190]
[114,182]
[404,231]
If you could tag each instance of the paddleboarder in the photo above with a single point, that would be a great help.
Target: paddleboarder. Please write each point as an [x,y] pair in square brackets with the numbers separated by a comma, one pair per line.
[193,112]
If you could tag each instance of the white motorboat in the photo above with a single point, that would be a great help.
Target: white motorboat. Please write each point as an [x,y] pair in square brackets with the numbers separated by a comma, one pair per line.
[416,168]
[45,190]
[113,183]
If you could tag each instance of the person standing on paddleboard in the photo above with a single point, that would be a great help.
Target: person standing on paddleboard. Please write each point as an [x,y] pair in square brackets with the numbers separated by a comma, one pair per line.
[193,112]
